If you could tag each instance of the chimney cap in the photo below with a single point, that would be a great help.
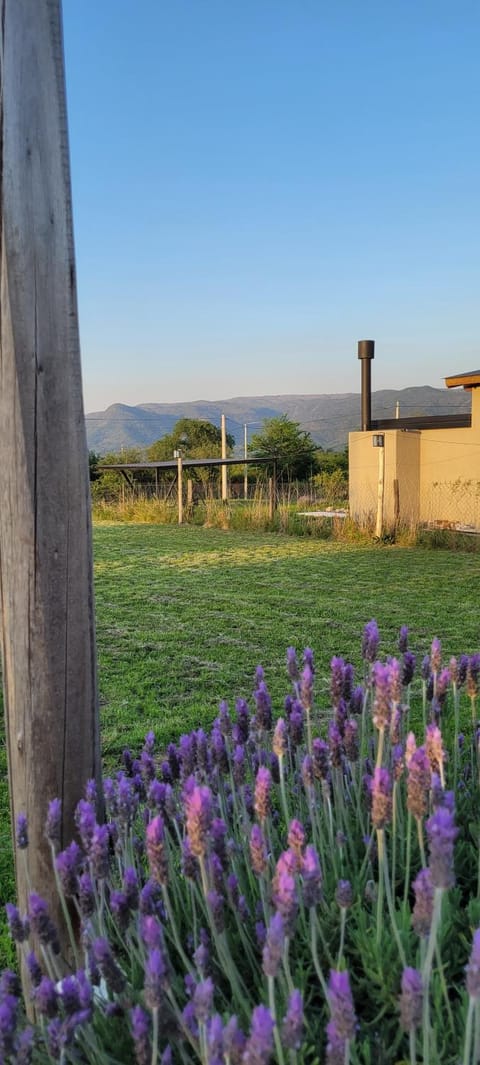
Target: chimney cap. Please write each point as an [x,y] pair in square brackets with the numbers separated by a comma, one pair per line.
[366,349]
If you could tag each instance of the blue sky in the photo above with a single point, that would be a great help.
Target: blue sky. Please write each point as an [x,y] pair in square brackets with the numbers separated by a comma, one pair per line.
[260,183]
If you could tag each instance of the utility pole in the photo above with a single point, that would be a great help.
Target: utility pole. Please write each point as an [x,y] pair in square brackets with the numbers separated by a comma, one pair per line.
[46,586]
[178,456]
[224,455]
[245,470]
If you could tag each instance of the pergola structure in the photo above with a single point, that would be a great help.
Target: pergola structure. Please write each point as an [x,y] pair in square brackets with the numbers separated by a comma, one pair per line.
[179,464]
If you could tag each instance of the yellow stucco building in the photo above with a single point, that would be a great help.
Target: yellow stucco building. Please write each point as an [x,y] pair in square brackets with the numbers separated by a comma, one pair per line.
[429,472]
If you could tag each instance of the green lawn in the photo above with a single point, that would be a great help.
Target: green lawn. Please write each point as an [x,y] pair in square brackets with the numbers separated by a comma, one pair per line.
[184,615]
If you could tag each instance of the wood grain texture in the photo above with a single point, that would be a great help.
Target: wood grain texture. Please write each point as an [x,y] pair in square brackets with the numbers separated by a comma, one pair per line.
[46,587]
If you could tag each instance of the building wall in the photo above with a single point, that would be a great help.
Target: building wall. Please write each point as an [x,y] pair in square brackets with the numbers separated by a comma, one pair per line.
[401,478]
[432,475]
[450,472]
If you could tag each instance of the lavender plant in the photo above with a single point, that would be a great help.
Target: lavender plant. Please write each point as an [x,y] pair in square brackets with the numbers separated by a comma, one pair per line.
[274,891]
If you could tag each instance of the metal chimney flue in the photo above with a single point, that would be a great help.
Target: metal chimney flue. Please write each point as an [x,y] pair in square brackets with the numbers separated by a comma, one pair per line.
[366,352]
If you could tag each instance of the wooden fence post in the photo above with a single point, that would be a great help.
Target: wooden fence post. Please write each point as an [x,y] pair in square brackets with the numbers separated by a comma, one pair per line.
[48,634]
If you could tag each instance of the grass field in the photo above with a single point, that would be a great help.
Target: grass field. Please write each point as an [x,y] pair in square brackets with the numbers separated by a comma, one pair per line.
[184,615]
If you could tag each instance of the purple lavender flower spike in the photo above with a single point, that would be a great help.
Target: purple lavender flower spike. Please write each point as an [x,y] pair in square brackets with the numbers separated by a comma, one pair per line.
[68,864]
[279,742]
[215,1040]
[394,681]
[337,674]
[259,1046]
[216,904]
[308,775]
[24,1049]
[41,922]
[350,739]
[109,969]
[219,750]
[411,1000]
[141,1025]
[263,704]
[239,766]
[34,968]
[442,833]
[120,909]
[435,655]
[321,760]
[233,1041]
[86,895]
[335,1048]
[157,974]
[306,688]
[151,931]
[85,820]
[312,877]
[9,984]
[425,670]
[341,1004]
[18,927]
[462,669]
[274,944]
[243,720]
[263,785]
[418,782]
[370,641]
[403,639]
[219,840]
[187,754]
[46,998]
[295,724]
[381,703]
[292,665]
[408,668]
[130,887]
[344,894]
[296,837]
[21,834]
[473,968]
[98,851]
[335,745]
[188,1018]
[381,787]
[8,1024]
[150,742]
[423,907]
[70,994]
[292,1027]
[198,805]
[308,659]
[356,701]
[127,800]
[348,681]
[53,825]
[260,934]
[156,854]
[284,894]
[203,1000]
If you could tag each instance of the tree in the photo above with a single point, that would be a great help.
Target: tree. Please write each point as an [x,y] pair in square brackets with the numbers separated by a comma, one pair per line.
[194,437]
[93,460]
[292,448]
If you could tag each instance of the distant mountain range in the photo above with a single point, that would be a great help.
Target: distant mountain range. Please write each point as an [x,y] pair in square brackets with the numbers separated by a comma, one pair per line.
[329,418]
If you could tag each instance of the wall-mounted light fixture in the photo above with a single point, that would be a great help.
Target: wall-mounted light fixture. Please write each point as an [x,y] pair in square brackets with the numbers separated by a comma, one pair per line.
[378,440]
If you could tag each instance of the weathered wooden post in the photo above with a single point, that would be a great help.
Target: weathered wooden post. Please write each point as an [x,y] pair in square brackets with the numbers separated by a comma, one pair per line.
[48,636]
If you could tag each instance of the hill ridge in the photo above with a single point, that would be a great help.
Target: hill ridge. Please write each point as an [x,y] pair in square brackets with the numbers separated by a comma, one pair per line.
[329,417]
